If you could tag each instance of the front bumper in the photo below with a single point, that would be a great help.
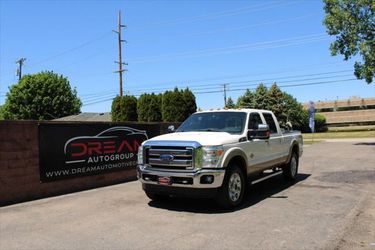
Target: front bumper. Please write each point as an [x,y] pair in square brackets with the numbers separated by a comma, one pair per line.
[187,179]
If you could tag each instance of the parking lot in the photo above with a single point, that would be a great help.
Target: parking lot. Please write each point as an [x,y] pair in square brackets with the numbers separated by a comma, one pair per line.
[331,206]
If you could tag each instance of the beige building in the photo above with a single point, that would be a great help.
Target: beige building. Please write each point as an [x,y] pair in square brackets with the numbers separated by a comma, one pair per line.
[354,110]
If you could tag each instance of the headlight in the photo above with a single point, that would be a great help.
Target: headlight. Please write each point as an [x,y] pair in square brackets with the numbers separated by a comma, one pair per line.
[140,155]
[208,157]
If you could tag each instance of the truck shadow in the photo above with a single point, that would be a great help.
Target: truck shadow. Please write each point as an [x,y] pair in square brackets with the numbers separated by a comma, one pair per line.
[267,189]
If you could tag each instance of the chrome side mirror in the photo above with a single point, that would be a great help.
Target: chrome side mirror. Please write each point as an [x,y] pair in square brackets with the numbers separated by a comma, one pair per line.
[171,129]
[262,132]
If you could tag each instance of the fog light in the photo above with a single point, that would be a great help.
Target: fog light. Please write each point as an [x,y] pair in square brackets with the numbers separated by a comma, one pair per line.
[207,179]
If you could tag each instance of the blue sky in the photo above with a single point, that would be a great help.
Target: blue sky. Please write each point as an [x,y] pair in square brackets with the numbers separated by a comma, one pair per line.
[196,44]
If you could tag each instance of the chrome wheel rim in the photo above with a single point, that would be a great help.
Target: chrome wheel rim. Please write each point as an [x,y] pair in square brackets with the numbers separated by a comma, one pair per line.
[235,187]
[293,166]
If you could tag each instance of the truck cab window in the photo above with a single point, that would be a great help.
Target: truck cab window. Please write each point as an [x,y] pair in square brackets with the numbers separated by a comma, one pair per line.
[254,121]
[270,122]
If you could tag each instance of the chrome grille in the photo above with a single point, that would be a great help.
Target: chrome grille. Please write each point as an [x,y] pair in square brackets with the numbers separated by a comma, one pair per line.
[170,157]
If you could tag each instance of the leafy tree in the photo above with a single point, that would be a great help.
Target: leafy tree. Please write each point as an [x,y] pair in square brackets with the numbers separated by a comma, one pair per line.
[353,24]
[1,112]
[42,96]
[295,113]
[230,103]
[124,108]
[177,105]
[149,108]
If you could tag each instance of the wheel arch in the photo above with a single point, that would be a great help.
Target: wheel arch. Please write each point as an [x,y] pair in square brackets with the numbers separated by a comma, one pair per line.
[294,147]
[237,157]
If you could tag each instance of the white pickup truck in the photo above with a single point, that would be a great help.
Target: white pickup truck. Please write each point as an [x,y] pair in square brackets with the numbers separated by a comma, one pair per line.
[215,154]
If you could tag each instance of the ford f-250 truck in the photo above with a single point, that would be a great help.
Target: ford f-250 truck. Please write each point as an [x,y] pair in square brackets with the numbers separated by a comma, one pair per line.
[215,154]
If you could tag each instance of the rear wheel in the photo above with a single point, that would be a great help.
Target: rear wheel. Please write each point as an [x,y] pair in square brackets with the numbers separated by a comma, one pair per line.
[233,188]
[291,169]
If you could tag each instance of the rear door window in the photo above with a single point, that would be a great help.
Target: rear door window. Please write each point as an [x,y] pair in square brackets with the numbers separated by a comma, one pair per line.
[270,122]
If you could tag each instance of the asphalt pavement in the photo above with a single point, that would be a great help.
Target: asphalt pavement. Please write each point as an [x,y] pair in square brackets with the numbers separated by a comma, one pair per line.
[331,206]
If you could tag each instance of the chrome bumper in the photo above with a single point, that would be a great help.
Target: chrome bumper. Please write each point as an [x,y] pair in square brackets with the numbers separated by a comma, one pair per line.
[196,175]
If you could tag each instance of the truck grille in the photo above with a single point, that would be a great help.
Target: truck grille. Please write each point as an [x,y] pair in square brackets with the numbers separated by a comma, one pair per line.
[170,157]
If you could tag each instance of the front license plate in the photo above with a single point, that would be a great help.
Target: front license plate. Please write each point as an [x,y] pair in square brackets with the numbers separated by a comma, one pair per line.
[163,180]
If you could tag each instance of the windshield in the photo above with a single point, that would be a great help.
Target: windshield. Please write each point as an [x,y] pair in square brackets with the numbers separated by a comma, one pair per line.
[230,122]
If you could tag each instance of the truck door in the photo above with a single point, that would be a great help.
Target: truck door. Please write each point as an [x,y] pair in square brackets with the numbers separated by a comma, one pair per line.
[275,143]
[256,150]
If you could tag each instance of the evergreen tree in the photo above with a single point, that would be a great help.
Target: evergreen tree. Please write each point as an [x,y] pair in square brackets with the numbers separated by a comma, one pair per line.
[149,108]
[124,108]
[173,106]
[230,103]
[276,103]
[261,100]
[285,107]
[246,100]
[190,103]
[177,105]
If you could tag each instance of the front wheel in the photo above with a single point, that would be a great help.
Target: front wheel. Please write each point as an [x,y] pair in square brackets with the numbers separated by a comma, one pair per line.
[233,188]
[291,169]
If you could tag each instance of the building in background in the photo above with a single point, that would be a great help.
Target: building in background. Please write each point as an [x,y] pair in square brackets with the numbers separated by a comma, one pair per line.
[352,111]
[87,117]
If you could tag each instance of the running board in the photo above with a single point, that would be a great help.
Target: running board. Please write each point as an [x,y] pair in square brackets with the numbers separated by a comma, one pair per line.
[266,177]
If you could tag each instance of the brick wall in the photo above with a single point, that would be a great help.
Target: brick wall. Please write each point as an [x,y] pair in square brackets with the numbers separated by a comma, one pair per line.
[19,167]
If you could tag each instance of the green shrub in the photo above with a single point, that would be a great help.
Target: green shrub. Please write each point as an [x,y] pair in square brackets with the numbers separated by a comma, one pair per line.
[124,109]
[320,123]
[149,108]
[177,105]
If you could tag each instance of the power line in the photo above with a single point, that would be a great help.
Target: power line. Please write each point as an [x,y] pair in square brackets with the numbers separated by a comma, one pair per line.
[209,85]
[281,86]
[227,77]
[215,15]
[237,48]
[84,44]
[230,29]
[104,99]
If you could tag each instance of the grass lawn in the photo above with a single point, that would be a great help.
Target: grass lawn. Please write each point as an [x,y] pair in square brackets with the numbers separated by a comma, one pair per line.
[338,135]
[310,141]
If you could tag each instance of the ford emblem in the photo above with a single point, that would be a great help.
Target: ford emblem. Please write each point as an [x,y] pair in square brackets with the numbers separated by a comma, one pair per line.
[166,157]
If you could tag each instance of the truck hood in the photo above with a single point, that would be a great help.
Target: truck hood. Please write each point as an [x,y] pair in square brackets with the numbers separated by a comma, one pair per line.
[203,138]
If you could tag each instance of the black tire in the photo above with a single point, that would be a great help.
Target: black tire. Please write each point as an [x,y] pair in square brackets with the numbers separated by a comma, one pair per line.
[233,188]
[155,197]
[290,170]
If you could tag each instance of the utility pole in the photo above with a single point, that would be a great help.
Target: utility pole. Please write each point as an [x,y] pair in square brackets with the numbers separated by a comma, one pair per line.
[225,94]
[19,69]
[120,41]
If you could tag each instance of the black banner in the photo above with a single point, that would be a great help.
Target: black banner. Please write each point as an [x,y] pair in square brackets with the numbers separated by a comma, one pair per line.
[73,150]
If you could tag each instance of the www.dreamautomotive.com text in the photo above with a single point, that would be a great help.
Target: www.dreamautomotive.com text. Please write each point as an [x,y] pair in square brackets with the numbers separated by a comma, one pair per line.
[81,170]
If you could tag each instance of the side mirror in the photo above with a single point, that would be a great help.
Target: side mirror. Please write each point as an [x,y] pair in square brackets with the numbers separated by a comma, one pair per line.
[262,132]
[170,128]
